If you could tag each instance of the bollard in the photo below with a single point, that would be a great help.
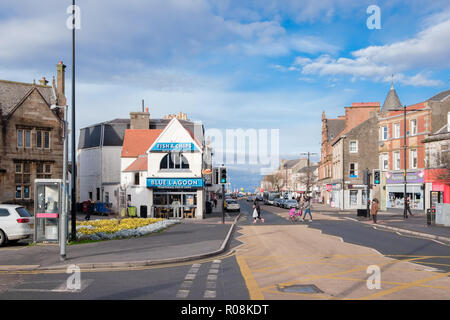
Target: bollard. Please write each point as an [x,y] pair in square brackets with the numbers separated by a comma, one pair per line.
[433,216]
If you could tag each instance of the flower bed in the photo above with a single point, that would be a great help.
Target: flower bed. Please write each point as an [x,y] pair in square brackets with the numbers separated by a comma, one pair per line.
[108,229]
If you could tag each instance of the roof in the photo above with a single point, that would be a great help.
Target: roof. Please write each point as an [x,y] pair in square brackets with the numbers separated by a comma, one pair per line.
[140,164]
[334,127]
[11,93]
[305,169]
[392,101]
[137,141]
[441,96]
[290,163]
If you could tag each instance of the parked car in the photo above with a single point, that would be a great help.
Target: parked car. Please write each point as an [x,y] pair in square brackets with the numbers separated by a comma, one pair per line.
[249,199]
[16,223]
[232,205]
[288,204]
[277,202]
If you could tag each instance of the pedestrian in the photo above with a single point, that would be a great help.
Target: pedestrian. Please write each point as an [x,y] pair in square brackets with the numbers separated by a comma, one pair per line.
[408,208]
[215,203]
[307,208]
[374,210]
[257,212]
[90,209]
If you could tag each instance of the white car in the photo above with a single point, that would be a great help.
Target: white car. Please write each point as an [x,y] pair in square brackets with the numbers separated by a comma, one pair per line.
[232,205]
[16,223]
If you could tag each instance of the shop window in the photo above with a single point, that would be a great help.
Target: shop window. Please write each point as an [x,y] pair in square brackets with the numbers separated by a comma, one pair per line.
[174,160]
[353,197]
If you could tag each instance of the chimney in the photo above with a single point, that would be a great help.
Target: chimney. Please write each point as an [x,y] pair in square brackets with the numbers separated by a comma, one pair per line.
[61,84]
[43,81]
[140,120]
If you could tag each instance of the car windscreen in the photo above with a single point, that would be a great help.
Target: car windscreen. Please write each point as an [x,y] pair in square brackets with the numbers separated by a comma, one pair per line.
[23,212]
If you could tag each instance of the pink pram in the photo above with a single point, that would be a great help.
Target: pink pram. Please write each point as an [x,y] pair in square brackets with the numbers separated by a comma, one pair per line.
[293,215]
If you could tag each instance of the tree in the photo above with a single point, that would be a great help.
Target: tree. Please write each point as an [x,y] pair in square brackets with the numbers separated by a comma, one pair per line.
[307,177]
[275,180]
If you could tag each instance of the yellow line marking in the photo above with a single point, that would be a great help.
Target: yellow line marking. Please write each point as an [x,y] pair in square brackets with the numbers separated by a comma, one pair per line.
[252,285]
[403,287]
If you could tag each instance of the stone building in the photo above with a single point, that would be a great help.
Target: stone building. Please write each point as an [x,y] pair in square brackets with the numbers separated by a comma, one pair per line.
[31,128]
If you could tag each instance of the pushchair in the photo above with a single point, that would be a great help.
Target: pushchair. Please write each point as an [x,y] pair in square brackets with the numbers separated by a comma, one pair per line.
[295,215]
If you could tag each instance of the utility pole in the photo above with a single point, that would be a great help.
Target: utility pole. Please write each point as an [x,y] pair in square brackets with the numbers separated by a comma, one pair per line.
[73,197]
[308,180]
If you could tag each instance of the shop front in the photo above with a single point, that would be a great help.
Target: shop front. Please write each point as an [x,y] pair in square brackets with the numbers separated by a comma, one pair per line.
[395,190]
[176,198]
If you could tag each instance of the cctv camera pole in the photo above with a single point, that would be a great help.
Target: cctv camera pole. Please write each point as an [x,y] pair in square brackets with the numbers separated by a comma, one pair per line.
[74,172]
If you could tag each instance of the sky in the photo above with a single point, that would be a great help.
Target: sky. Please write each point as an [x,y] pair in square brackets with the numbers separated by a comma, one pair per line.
[256,64]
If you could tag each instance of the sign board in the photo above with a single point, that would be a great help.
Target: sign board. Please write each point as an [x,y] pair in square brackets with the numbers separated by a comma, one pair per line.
[175,183]
[411,177]
[174,146]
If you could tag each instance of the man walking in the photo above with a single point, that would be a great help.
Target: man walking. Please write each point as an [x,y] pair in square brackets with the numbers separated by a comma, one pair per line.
[307,208]
[374,210]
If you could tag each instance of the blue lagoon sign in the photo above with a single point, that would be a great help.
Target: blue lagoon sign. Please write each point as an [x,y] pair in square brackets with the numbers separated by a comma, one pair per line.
[175,183]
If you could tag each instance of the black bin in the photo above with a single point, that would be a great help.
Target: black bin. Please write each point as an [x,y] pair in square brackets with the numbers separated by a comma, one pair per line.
[208,207]
[143,211]
[361,213]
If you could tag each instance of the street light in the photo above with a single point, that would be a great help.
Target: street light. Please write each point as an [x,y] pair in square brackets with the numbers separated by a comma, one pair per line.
[74,172]
[307,166]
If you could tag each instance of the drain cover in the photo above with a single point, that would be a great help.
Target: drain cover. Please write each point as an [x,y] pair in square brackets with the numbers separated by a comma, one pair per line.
[300,288]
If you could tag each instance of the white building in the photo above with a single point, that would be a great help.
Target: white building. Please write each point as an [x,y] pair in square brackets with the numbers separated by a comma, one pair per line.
[162,171]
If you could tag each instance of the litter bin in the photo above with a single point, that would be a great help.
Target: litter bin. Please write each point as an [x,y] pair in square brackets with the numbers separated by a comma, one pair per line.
[361,213]
[208,207]
[143,210]
[132,212]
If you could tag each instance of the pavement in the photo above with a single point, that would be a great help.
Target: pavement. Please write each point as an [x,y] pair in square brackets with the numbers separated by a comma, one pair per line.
[189,240]
[393,220]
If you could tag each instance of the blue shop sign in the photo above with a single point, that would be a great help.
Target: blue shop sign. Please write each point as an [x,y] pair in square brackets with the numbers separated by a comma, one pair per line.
[174,146]
[175,183]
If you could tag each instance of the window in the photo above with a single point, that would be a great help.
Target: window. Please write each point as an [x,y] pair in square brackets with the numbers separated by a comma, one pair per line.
[413,159]
[396,130]
[23,180]
[46,140]
[353,170]
[4,213]
[136,179]
[174,160]
[39,139]
[20,138]
[353,199]
[397,160]
[384,132]
[413,124]
[90,195]
[27,138]
[43,171]
[384,161]
[353,146]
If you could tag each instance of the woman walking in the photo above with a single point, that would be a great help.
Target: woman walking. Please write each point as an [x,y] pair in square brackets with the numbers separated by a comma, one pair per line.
[307,208]
[374,210]
[257,212]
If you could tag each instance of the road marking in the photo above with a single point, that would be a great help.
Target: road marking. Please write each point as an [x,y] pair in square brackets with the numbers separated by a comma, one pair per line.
[62,288]
[439,242]
[252,285]
[185,287]
[182,293]
[398,233]
[403,287]
[210,292]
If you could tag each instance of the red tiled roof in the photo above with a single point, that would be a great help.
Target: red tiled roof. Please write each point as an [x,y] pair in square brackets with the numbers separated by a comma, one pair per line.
[140,164]
[137,141]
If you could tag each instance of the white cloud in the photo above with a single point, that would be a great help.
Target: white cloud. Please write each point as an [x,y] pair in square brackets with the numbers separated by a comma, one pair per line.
[429,49]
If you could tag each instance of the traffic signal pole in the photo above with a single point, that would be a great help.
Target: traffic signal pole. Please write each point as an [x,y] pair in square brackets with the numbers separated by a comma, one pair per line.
[223,204]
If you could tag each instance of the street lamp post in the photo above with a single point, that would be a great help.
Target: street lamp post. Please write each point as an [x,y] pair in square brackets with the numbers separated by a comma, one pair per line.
[74,172]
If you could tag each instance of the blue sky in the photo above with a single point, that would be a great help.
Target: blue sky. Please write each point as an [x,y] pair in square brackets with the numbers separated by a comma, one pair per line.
[261,64]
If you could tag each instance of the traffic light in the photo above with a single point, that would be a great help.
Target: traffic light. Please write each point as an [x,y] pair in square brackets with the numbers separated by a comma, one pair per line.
[376,176]
[366,177]
[216,176]
[223,175]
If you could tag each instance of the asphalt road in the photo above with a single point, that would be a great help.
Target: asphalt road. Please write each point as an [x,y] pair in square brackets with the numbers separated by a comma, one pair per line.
[395,245]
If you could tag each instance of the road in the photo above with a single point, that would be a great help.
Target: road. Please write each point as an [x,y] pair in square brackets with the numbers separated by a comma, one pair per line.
[324,259]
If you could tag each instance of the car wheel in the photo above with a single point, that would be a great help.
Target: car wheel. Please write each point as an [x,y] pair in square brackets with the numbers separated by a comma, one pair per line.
[3,238]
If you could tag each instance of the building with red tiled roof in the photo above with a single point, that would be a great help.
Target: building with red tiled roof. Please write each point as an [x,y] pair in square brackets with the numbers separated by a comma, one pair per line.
[137,141]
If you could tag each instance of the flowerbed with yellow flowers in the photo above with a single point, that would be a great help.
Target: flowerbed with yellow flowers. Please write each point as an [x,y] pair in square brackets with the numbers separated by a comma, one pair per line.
[108,229]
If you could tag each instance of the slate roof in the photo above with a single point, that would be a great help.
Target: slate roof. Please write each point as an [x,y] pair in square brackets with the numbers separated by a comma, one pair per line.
[334,127]
[441,96]
[11,93]
[392,101]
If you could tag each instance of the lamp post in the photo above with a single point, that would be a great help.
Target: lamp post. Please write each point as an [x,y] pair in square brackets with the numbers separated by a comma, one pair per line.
[74,172]
[405,147]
